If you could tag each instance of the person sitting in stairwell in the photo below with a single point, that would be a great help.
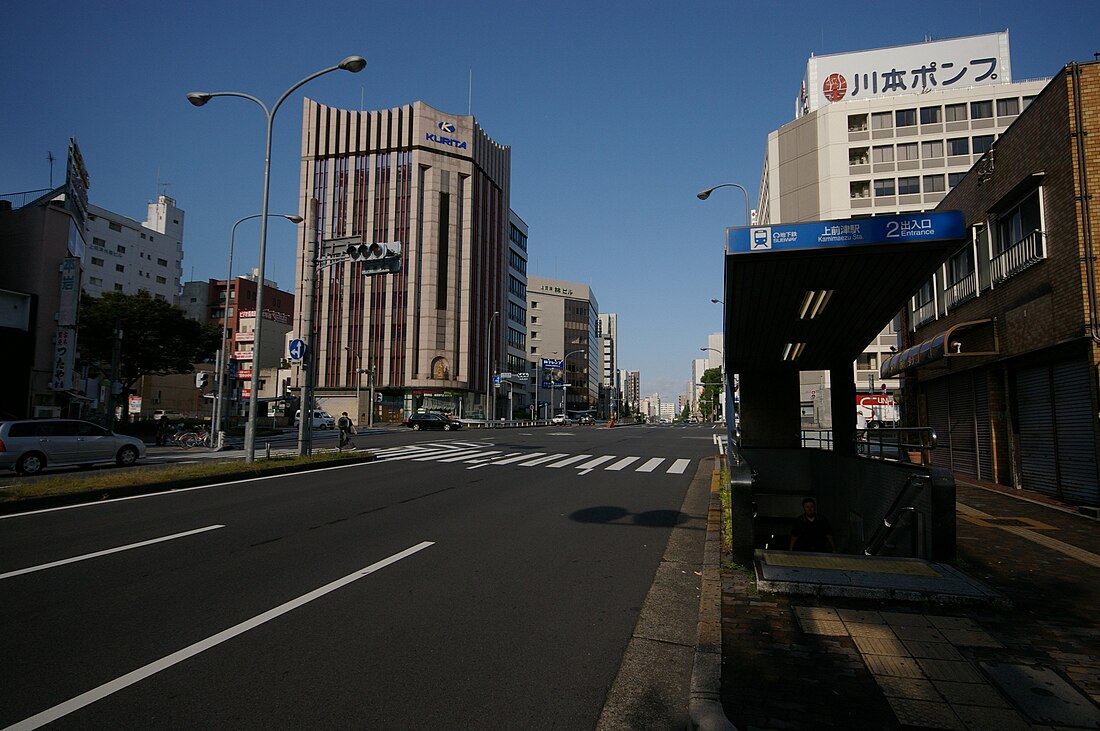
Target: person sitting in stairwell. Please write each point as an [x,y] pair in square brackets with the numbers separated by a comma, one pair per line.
[810,531]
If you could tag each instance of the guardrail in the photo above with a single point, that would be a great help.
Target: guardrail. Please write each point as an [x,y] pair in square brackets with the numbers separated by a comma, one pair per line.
[895,444]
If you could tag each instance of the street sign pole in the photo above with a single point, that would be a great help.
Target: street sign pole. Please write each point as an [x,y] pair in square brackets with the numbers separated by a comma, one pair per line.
[305,408]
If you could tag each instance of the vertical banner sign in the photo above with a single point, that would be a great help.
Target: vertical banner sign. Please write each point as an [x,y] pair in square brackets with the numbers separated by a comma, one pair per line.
[69,291]
[553,373]
[62,374]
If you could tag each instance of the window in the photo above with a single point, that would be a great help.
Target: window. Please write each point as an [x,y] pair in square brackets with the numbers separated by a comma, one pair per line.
[1008,107]
[960,266]
[908,185]
[120,268]
[857,122]
[882,153]
[859,156]
[884,187]
[926,292]
[955,112]
[162,262]
[97,261]
[114,226]
[931,115]
[1027,102]
[96,241]
[96,281]
[1018,223]
[908,151]
[958,146]
[534,320]
[905,118]
[954,179]
[121,249]
[982,143]
[932,149]
[933,184]
[981,110]
[882,120]
[860,189]
[118,287]
[162,280]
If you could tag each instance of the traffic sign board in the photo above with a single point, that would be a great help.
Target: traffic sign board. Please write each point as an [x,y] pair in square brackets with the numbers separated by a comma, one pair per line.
[297,348]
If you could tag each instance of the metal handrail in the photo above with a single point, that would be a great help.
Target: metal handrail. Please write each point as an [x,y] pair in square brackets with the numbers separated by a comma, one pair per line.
[900,508]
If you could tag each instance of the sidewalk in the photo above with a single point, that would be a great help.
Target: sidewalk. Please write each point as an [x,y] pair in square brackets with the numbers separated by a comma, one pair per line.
[817,662]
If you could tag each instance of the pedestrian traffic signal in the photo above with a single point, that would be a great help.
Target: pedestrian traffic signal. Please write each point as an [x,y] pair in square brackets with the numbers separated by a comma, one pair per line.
[202,379]
[377,257]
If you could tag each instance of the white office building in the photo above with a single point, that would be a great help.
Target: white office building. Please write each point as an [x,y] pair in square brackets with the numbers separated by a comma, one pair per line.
[886,131]
[123,255]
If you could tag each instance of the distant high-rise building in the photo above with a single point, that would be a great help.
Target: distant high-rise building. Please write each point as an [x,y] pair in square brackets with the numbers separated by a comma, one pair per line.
[562,326]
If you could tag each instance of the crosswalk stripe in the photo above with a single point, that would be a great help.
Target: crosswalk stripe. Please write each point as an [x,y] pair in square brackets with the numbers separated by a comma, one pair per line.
[651,464]
[679,466]
[518,457]
[469,457]
[593,463]
[571,460]
[624,462]
[447,453]
[540,460]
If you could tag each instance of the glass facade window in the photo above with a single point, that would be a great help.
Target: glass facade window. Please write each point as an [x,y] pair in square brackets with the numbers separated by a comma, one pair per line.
[882,120]
[933,184]
[982,143]
[931,115]
[982,109]
[518,288]
[958,146]
[905,118]
[931,149]
[1008,107]
[908,185]
[882,153]
[955,112]
[884,186]
[908,151]
[960,266]
[954,179]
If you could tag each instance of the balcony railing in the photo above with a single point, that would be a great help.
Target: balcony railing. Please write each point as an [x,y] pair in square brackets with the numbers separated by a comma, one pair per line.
[963,290]
[1019,256]
[925,313]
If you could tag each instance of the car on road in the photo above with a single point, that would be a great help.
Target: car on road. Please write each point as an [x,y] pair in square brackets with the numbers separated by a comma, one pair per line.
[28,446]
[321,419]
[561,419]
[586,420]
[431,420]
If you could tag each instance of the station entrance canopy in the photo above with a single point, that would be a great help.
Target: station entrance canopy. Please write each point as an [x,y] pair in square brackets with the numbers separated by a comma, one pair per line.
[811,296]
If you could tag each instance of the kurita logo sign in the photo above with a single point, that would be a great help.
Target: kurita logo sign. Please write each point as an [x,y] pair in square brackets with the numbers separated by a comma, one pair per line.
[449,129]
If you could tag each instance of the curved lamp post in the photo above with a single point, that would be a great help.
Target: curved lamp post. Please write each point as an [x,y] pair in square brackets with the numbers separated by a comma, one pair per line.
[353,64]
[704,194]
[219,405]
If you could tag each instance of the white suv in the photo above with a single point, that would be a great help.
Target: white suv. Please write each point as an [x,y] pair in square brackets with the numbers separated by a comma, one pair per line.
[321,419]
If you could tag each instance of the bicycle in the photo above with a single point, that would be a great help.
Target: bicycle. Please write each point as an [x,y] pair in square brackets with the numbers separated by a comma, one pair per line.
[188,439]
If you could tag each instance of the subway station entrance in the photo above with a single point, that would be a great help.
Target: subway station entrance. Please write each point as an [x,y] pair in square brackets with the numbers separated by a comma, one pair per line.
[809,297]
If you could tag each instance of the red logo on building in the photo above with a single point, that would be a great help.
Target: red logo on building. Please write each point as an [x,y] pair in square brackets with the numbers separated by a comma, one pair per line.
[835,87]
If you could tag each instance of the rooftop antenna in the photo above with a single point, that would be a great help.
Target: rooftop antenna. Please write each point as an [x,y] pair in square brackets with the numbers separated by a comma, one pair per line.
[470,95]
[51,158]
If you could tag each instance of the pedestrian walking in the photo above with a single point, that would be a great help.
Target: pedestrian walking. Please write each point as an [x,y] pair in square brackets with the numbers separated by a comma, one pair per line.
[347,429]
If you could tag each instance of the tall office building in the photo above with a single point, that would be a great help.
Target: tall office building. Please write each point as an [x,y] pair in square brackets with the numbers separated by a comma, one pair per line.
[438,185]
[607,329]
[563,323]
[886,131]
[516,390]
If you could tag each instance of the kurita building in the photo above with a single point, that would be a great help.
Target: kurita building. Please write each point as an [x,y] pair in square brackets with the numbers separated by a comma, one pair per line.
[438,185]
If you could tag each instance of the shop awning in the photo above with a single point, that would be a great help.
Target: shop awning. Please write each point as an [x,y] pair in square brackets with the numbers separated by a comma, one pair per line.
[976,337]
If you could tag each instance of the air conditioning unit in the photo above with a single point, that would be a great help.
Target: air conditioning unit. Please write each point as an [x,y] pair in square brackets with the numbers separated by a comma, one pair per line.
[47,412]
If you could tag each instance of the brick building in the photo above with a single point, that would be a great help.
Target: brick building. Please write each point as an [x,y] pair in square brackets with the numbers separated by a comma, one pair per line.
[1003,343]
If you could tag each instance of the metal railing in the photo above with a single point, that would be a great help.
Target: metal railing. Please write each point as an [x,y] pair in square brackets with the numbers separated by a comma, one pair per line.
[963,290]
[901,512]
[1018,257]
[897,444]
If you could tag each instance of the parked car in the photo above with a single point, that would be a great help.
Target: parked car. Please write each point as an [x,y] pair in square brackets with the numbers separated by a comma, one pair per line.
[29,445]
[321,419]
[431,421]
[171,415]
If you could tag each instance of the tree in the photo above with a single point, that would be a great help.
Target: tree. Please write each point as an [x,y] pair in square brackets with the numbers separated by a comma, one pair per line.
[712,389]
[157,337]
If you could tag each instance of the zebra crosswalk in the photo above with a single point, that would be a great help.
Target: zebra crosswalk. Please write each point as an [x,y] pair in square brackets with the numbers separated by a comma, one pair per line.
[481,455]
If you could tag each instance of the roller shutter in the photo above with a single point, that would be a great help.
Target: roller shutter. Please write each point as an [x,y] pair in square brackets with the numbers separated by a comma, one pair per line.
[1035,414]
[938,410]
[983,427]
[964,457]
[1075,438]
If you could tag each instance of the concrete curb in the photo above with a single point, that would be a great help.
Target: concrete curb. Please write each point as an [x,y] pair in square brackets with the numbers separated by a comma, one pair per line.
[704,704]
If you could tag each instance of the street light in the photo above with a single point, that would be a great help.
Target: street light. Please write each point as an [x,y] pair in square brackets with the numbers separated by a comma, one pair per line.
[488,363]
[353,64]
[703,195]
[219,405]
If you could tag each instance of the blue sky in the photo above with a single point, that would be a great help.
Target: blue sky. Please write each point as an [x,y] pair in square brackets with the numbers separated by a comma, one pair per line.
[617,114]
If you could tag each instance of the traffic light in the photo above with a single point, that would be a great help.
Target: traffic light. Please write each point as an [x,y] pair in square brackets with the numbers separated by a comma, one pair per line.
[377,258]
[202,379]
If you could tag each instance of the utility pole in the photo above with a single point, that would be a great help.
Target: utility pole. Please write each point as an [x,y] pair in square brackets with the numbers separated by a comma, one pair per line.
[309,293]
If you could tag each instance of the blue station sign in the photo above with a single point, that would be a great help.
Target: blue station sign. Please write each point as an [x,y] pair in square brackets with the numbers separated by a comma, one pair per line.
[907,228]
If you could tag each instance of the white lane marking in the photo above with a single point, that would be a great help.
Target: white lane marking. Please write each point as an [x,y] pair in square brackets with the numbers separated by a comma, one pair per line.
[540,460]
[452,453]
[565,462]
[107,551]
[624,462]
[518,457]
[483,458]
[651,465]
[470,457]
[678,467]
[592,464]
[96,694]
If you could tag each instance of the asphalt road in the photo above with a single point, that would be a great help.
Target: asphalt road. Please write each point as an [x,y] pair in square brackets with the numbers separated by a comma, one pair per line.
[481,579]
